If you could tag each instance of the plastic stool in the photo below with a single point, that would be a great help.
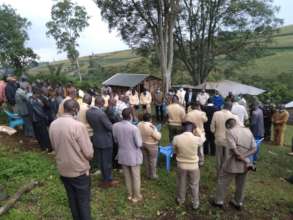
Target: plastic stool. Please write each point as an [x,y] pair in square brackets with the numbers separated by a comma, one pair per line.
[14,120]
[168,152]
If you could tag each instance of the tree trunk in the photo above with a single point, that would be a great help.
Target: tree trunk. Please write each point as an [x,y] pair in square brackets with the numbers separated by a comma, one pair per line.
[12,200]
[78,69]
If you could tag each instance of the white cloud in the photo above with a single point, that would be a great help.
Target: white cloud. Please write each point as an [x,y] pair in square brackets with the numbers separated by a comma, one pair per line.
[94,39]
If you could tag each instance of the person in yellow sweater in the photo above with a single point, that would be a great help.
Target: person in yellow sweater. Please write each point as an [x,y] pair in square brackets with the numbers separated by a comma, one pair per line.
[198,117]
[134,103]
[186,147]
[176,115]
[106,98]
[280,119]
[146,100]
[150,138]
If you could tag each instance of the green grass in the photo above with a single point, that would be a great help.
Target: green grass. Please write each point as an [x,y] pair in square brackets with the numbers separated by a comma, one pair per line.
[267,196]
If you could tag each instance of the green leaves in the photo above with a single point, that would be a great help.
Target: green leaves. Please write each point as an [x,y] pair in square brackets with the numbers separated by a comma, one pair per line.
[68,20]
[13,35]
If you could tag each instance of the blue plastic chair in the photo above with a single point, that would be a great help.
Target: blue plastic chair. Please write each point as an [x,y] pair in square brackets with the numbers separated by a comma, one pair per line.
[14,120]
[168,152]
[254,157]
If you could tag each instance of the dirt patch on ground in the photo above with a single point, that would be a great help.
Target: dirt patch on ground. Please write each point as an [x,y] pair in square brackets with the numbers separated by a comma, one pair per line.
[20,141]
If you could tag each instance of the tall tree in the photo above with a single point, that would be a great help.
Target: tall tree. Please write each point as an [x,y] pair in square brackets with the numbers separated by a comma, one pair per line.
[68,20]
[144,23]
[13,35]
[230,31]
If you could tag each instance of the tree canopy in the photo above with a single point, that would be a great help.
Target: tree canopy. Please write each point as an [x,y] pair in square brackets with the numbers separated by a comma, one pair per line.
[13,35]
[211,32]
[68,20]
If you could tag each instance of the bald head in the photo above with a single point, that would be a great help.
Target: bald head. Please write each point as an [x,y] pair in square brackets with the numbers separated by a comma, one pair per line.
[99,101]
[71,107]
[228,105]
[87,98]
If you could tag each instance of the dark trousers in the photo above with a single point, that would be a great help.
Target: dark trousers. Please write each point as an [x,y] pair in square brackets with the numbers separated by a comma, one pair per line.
[209,144]
[104,157]
[78,192]
[116,165]
[159,113]
[42,134]
[173,131]
[267,125]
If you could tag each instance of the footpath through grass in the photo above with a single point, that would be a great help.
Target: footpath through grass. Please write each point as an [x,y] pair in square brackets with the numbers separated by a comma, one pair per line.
[267,195]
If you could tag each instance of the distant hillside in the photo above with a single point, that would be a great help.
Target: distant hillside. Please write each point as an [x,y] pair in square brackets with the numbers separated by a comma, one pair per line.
[278,60]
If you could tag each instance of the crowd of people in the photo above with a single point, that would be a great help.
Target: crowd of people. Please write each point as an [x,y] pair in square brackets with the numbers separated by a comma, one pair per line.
[106,130]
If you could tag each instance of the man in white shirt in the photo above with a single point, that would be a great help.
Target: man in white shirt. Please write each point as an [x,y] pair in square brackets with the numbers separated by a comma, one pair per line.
[181,95]
[239,110]
[202,97]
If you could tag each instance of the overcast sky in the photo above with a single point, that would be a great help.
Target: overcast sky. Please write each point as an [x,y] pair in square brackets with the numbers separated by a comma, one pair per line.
[95,38]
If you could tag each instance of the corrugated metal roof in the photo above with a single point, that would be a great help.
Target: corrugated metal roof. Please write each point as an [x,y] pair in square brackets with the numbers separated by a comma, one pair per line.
[125,80]
[226,86]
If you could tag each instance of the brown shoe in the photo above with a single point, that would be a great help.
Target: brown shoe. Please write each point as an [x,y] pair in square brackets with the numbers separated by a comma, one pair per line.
[108,184]
[113,183]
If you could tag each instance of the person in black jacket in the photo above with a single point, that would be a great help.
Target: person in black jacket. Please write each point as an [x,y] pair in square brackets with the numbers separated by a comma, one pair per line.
[39,119]
[189,98]
[102,140]
[209,145]
[114,117]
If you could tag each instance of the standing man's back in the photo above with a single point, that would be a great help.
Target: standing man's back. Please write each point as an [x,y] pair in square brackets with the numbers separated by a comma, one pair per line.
[219,130]
[73,148]
[129,140]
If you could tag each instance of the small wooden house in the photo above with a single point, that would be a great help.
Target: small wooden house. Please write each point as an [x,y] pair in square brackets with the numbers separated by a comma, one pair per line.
[121,82]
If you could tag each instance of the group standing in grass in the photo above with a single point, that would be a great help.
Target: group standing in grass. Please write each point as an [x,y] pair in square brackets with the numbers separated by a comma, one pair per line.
[89,132]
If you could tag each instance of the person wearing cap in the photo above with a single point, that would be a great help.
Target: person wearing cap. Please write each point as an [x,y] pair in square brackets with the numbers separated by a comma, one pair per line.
[280,119]
[186,147]
[150,138]
[240,145]
[146,100]
[219,130]
[176,115]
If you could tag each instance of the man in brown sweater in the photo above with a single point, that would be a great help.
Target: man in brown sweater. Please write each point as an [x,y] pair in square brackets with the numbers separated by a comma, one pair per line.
[176,115]
[280,119]
[186,148]
[74,150]
[150,138]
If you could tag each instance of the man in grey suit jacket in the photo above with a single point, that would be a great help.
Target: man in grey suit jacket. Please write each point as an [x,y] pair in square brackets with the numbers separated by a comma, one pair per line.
[102,140]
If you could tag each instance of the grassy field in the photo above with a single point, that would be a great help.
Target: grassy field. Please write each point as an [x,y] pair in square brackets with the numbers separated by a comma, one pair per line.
[267,195]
